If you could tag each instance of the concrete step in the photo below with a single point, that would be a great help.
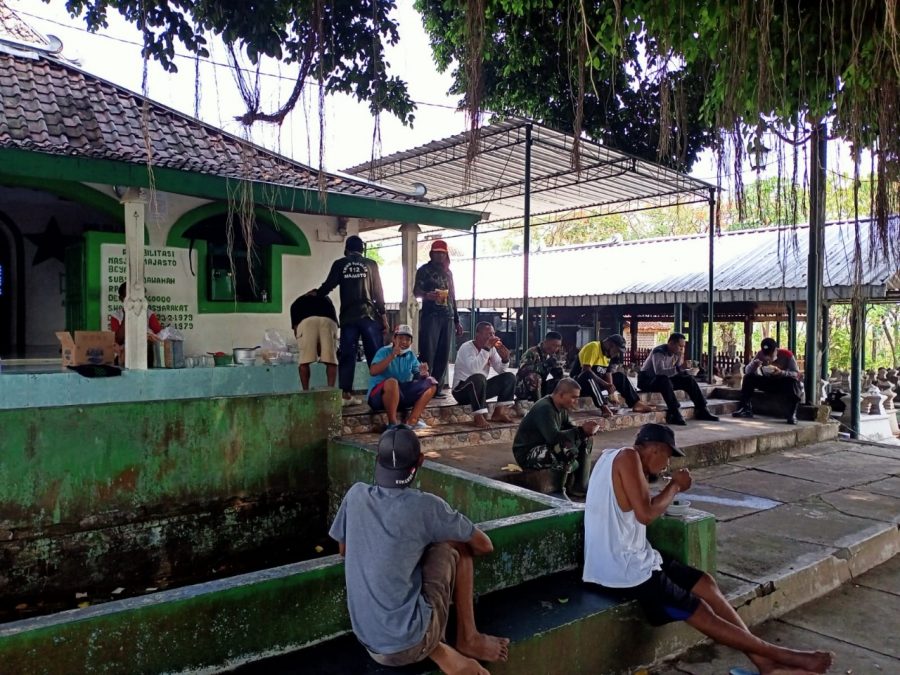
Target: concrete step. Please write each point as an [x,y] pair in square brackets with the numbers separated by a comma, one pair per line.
[704,443]
[461,434]
[360,419]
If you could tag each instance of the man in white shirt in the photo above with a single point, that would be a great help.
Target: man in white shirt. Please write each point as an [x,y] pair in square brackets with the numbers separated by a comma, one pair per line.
[619,557]
[471,384]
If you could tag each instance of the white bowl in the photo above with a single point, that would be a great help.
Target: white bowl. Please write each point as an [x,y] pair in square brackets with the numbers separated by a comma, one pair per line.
[678,508]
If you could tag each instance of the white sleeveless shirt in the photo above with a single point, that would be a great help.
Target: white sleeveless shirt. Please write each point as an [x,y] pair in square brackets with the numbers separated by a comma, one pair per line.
[616,551]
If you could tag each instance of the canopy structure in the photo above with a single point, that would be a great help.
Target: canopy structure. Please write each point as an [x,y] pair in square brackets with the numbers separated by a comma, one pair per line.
[523,170]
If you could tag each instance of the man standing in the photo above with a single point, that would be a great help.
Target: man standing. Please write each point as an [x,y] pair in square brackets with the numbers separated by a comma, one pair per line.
[438,318]
[773,370]
[537,364]
[400,381]
[406,555]
[471,385]
[593,372]
[546,439]
[618,556]
[362,310]
[314,322]
[664,371]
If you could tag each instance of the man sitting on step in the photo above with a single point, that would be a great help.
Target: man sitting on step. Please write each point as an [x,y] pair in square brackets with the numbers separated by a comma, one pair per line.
[592,369]
[540,369]
[664,372]
[398,380]
[407,554]
[773,370]
[474,360]
[618,556]
[547,439]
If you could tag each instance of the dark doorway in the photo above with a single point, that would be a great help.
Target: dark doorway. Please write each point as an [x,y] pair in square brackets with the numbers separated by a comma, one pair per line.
[12,289]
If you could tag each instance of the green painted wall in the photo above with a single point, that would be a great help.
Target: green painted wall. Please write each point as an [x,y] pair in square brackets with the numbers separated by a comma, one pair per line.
[103,492]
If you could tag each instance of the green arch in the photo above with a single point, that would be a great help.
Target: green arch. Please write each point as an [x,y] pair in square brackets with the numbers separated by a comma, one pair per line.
[299,243]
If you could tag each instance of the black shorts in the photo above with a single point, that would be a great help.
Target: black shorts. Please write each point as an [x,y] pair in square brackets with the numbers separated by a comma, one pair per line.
[666,596]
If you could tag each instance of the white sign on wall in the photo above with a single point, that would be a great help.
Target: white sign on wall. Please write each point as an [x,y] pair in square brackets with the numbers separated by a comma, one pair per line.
[171,289]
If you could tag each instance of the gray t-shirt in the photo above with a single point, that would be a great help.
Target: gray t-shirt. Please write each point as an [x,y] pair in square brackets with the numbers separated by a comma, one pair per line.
[386,531]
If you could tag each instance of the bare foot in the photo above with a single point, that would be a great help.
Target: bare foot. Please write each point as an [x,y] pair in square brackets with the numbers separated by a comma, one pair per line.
[501,416]
[605,411]
[816,662]
[641,407]
[479,421]
[452,662]
[785,670]
[484,647]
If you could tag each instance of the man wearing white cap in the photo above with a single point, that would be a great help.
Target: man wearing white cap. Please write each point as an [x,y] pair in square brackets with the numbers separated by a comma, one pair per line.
[400,381]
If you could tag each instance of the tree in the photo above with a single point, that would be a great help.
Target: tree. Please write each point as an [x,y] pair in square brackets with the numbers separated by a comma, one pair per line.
[764,66]
[339,45]
[534,65]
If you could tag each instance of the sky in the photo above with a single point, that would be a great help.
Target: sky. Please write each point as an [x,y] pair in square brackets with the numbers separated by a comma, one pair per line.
[114,54]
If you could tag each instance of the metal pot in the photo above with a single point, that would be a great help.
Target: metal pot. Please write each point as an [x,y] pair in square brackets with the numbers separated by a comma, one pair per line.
[245,356]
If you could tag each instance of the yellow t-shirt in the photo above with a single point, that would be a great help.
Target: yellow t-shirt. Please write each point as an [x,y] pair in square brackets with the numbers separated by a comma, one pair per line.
[592,355]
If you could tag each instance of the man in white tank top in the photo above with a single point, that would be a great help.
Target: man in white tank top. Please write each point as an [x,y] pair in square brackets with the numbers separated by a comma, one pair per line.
[618,556]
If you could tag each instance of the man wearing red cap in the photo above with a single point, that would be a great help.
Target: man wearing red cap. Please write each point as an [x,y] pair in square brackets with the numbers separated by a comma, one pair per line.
[434,285]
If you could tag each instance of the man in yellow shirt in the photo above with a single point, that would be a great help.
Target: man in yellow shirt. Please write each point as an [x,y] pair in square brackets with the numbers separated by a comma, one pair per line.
[592,372]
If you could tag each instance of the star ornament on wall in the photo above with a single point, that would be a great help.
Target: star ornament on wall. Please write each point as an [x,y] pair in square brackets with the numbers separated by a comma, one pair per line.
[51,243]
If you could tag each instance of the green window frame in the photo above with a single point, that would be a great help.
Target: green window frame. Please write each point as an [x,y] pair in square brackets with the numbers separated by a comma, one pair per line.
[274,253]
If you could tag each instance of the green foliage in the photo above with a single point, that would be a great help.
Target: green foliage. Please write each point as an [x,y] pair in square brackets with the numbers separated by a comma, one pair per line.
[339,43]
[533,66]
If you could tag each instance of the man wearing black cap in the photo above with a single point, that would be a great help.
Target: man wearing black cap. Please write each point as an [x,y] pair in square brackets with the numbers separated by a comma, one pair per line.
[618,556]
[439,318]
[592,371]
[664,371]
[407,554]
[773,370]
[362,310]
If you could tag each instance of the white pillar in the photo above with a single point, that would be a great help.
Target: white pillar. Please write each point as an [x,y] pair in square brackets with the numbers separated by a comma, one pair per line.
[409,306]
[135,304]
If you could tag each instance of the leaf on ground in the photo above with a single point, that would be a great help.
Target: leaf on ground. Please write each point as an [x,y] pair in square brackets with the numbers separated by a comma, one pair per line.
[563,601]
[80,595]
[21,606]
[515,468]
[319,549]
[82,605]
[546,605]
[432,454]
[118,590]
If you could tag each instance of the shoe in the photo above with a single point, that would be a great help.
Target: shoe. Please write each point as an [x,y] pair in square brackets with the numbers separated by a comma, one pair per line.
[792,418]
[346,402]
[440,394]
[419,425]
[705,416]
[745,411]
[390,425]
[675,418]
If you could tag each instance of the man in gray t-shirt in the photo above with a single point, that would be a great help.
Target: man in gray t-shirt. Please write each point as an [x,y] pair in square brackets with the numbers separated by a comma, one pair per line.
[407,553]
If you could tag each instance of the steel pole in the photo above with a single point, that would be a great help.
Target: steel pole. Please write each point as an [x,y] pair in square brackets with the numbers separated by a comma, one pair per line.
[856,328]
[712,276]
[472,319]
[823,371]
[818,144]
[678,319]
[792,326]
[527,243]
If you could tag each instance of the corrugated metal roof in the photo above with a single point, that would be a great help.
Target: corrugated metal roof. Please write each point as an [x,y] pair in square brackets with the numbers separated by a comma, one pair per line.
[608,180]
[758,265]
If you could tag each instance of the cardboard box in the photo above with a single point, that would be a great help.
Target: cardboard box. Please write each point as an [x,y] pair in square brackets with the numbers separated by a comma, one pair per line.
[94,347]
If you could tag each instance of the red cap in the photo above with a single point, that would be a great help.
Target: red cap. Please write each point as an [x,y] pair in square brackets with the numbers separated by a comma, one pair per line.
[439,245]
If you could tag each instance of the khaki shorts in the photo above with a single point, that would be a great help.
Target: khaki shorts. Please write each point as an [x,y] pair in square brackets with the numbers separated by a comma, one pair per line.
[438,578]
[317,338]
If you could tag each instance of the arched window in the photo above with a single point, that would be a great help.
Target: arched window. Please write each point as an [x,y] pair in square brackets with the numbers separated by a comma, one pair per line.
[242,281]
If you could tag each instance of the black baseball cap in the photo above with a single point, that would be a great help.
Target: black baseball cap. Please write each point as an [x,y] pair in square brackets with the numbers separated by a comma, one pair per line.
[398,458]
[617,340]
[658,433]
[768,345]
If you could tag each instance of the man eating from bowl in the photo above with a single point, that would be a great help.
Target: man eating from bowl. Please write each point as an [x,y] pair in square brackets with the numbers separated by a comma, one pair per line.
[773,370]
[618,556]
